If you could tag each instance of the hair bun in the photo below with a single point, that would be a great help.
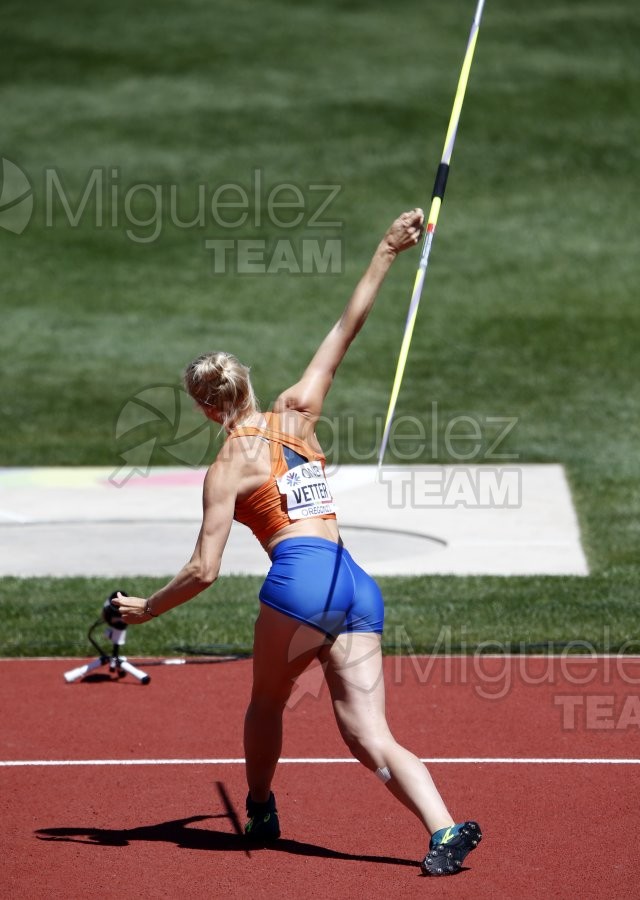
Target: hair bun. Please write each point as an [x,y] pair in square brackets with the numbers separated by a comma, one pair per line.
[219,380]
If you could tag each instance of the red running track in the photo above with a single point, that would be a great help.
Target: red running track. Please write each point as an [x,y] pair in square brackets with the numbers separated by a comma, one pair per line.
[560,829]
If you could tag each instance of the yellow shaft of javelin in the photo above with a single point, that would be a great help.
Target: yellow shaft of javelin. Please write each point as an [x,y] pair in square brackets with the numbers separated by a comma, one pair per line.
[459,98]
[432,220]
[402,362]
[411,320]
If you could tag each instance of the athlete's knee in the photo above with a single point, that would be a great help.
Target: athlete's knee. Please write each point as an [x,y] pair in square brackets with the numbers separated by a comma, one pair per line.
[270,697]
[366,746]
[262,719]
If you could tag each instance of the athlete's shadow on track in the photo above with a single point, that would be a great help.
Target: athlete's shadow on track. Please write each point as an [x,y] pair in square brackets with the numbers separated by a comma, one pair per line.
[179,832]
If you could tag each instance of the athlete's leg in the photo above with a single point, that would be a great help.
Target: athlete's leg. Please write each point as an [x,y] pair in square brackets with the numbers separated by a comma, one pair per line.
[283,648]
[353,669]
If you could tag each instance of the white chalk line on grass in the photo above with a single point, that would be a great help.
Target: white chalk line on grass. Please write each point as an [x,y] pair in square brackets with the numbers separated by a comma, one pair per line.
[463,760]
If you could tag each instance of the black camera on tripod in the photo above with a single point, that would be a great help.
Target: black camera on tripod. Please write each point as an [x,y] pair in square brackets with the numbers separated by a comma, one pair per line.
[111,614]
[116,633]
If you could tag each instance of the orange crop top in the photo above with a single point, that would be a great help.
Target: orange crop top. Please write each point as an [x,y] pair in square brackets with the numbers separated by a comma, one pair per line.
[292,492]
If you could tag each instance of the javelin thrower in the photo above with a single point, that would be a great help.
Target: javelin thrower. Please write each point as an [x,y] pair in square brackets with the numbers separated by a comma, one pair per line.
[316,601]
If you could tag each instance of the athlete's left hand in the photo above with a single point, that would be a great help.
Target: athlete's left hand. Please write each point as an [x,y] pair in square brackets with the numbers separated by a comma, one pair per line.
[132,609]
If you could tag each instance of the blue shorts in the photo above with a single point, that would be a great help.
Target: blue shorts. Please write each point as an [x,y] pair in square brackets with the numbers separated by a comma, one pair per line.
[317,582]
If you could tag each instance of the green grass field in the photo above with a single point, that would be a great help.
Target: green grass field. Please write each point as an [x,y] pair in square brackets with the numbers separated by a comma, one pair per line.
[530,307]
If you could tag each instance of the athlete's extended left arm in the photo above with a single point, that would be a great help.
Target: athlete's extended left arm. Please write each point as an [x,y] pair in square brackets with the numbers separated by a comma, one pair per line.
[219,496]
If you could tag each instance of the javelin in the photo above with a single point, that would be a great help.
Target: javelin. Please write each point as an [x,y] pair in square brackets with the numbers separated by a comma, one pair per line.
[436,203]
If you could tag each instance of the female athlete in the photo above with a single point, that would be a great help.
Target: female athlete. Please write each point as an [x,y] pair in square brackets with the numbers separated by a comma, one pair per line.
[316,602]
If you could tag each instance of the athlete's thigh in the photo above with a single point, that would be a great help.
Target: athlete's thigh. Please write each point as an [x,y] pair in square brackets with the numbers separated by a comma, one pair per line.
[283,648]
[353,671]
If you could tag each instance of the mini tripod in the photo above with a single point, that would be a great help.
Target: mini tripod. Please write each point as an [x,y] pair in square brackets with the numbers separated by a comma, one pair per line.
[116,633]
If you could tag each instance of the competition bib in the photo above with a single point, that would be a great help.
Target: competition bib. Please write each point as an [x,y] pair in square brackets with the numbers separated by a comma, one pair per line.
[307,492]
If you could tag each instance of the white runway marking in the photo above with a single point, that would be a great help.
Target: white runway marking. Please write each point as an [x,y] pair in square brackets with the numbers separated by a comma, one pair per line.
[463,760]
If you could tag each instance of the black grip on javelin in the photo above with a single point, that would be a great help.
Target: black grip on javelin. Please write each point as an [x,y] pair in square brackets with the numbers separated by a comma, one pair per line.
[441,180]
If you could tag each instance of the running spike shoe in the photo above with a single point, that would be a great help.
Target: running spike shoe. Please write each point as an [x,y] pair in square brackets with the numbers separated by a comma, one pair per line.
[263,825]
[449,847]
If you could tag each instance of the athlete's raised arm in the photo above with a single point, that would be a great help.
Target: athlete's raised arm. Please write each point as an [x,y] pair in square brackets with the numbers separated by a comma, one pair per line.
[307,395]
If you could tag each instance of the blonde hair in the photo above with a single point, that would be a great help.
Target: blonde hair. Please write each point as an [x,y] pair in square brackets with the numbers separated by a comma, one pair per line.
[219,381]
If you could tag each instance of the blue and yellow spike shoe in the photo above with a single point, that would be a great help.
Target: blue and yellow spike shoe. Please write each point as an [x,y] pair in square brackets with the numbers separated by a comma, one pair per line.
[263,826]
[448,848]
